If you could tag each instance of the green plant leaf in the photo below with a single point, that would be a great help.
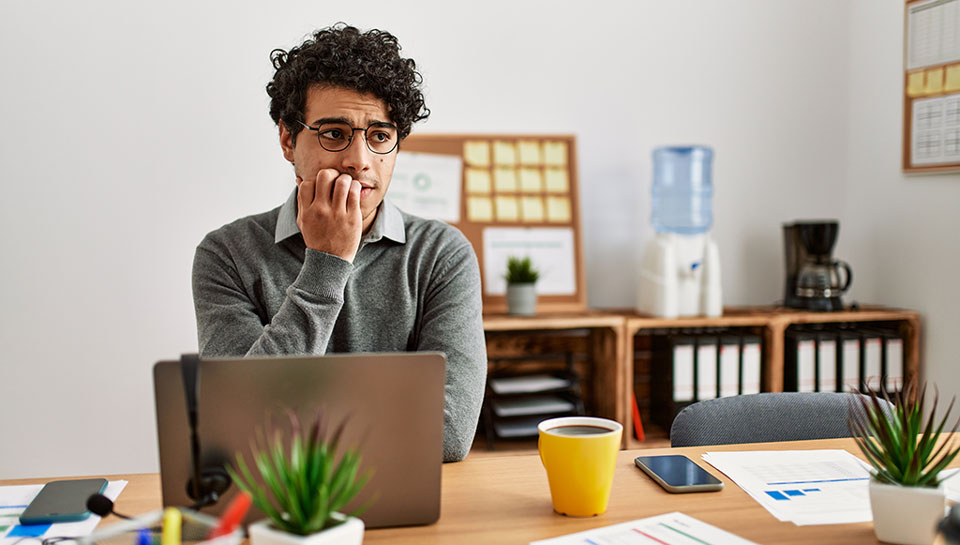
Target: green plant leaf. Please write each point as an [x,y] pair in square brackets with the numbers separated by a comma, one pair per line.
[905,447]
[257,493]
[301,483]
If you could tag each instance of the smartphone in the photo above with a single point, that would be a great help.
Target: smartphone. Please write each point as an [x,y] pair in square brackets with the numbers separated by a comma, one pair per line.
[62,501]
[677,474]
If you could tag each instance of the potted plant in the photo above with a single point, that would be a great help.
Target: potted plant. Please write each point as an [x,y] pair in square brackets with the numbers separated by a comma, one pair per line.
[304,486]
[521,286]
[907,449]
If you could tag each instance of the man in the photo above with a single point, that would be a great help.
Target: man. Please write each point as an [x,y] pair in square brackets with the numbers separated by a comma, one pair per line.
[337,268]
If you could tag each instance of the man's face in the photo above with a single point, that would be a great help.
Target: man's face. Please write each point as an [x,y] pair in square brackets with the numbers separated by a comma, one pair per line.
[372,170]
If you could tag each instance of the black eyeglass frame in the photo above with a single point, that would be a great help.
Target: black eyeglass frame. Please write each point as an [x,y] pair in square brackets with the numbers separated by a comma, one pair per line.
[353,131]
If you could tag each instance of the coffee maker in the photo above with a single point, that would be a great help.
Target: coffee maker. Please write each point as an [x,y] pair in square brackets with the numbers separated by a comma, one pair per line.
[813,276]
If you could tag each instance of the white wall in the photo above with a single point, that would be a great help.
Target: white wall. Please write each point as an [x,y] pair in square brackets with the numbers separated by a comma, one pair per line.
[130,130]
[900,231]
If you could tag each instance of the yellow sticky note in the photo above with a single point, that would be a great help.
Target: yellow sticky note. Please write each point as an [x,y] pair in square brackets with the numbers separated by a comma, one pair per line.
[507,209]
[479,209]
[934,81]
[558,209]
[504,153]
[476,153]
[915,84]
[556,179]
[478,180]
[531,209]
[529,152]
[505,179]
[952,82]
[555,153]
[530,180]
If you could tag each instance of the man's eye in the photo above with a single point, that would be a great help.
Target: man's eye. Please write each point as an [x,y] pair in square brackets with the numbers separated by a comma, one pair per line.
[380,137]
[332,134]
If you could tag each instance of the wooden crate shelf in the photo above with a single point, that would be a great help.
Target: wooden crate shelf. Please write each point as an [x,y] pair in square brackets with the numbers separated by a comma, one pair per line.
[609,344]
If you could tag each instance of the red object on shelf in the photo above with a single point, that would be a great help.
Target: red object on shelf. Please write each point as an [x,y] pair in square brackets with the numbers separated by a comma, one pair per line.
[637,424]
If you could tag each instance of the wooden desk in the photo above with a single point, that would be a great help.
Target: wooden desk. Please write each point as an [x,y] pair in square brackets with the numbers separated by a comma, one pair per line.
[507,500]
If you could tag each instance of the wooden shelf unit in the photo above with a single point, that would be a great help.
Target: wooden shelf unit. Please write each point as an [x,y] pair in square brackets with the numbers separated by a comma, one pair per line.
[773,321]
[612,332]
[604,348]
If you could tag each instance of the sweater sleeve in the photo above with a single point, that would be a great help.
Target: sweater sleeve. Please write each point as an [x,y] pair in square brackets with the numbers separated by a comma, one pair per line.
[228,323]
[453,324]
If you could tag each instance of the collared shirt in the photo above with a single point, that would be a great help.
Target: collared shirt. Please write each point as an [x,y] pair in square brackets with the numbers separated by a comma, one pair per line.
[413,285]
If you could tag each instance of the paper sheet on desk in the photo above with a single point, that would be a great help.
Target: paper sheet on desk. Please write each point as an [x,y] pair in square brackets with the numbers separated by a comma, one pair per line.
[669,529]
[801,486]
[14,499]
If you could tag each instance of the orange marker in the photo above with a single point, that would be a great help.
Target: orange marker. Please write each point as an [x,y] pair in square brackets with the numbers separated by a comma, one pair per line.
[233,516]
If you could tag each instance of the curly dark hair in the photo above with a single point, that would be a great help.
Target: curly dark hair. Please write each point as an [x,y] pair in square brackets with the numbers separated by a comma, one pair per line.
[342,56]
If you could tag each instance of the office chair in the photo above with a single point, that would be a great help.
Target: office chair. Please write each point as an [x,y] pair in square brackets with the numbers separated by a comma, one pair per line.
[759,418]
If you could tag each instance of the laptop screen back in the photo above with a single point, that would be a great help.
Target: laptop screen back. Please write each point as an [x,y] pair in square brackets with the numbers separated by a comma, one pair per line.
[393,404]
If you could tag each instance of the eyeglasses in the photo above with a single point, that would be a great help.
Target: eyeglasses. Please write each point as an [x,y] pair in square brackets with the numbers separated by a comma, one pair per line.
[381,137]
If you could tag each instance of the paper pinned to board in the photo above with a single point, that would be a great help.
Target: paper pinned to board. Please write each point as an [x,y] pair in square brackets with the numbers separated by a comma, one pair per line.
[476,153]
[915,84]
[550,249]
[933,83]
[479,209]
[427,185]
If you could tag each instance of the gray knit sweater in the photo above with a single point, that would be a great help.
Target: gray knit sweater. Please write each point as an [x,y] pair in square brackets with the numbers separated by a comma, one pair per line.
[414,285]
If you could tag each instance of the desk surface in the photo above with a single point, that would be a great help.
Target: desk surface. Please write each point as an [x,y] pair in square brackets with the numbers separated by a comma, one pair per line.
[507,500]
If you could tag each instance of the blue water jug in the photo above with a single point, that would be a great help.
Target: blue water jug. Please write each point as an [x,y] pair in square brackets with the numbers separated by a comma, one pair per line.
[682,190]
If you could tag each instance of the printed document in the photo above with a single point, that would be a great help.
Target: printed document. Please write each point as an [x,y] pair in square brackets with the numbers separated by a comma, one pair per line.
[801,486]
[669,529]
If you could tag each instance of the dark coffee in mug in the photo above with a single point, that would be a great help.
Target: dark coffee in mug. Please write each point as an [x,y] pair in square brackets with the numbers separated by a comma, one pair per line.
[576,431]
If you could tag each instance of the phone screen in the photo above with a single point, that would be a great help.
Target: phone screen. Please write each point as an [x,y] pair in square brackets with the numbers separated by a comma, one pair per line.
[677,471]
[60,501]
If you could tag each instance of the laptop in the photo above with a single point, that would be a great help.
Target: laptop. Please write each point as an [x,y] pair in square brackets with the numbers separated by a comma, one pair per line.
[394,403]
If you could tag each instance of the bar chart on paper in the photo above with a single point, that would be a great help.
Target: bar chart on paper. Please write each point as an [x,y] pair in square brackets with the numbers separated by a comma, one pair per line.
[669,529]
[801,486]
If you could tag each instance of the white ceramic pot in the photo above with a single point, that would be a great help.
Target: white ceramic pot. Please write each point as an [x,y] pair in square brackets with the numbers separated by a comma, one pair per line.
[522,299]
[350,532]
[906,515]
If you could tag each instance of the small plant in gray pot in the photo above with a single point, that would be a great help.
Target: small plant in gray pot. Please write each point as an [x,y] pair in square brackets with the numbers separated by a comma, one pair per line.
[908,449]
[521,286]
[304,486]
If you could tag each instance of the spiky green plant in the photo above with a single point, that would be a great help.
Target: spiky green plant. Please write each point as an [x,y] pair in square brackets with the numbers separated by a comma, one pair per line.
[521,271]
[905,446]
[305,484]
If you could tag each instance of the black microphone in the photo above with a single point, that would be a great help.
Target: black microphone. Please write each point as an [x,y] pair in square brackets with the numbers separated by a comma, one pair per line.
[98,504]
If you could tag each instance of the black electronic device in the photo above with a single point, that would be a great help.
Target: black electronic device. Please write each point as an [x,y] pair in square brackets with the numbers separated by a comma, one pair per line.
[62,501]
[206,484]
[678,474]
[814,280]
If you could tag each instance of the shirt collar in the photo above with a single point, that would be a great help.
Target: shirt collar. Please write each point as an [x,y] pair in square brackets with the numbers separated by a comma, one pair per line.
[389,222]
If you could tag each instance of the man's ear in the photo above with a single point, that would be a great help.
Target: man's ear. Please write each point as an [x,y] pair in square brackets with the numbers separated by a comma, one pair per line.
[287,142]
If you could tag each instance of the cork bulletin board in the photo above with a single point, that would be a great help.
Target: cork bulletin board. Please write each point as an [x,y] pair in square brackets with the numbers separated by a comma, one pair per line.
[931,90]
[510,195]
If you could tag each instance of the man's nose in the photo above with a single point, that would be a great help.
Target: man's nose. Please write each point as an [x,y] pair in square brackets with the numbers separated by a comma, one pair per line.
[357,157]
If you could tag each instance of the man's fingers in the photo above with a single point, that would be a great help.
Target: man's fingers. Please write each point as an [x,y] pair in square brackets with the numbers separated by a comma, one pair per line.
[341,188]
[305,194]
[353,198]
[325,179]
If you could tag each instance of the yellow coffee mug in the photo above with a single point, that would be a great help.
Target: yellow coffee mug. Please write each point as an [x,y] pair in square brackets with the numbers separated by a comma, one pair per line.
[579,454]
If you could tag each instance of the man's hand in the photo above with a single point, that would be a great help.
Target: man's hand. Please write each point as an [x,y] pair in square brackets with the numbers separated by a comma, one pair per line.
[328,213]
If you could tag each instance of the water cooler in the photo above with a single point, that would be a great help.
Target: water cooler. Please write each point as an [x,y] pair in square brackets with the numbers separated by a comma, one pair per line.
[680,269]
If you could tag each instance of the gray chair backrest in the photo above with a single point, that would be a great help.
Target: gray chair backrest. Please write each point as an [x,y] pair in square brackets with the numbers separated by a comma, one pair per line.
[760,418]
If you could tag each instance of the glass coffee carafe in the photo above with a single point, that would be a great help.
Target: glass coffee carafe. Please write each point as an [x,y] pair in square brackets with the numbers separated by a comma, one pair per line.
[820,282]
